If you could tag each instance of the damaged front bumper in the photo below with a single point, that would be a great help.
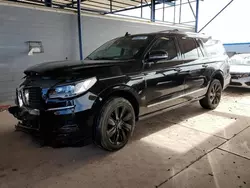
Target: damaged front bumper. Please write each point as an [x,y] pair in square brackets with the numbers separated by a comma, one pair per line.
[60,125]
[29,118]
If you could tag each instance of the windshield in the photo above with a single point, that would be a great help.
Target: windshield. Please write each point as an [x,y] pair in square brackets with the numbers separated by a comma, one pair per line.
[124,48]
[240,59]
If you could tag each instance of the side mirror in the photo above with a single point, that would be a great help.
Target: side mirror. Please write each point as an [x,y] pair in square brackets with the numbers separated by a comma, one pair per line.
[158,55]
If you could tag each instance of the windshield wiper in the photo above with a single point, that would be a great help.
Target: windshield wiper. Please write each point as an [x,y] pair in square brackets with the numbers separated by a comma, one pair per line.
[89,58]
[103,58]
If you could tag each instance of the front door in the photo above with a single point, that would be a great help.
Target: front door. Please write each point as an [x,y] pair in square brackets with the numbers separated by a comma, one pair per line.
[164,81]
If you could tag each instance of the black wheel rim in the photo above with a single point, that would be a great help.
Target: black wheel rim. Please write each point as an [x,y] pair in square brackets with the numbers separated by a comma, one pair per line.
[215,94]
[119,125]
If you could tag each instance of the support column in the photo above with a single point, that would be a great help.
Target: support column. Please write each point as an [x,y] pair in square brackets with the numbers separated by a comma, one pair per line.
[180,11]
[152,10]
[174,12]
[141,9]
[163,11]
[197,15]
[79,28]
[111,8]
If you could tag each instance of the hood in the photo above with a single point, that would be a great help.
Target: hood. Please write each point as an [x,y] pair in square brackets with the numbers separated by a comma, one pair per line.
[64,67]
[239,68]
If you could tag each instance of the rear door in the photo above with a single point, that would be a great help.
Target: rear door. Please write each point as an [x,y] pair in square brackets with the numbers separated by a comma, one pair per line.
[193,67]
[164,84]
[217,59]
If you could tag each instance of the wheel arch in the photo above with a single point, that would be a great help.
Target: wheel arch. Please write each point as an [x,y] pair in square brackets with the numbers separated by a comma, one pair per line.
[121,91]
[219,76]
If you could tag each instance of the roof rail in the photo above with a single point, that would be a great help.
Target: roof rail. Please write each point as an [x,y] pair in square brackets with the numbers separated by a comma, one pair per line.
[127,34]
[174,30]
[188,33]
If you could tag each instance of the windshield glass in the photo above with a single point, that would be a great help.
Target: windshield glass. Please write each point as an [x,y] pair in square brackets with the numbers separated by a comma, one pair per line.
[240,59]
[124,48]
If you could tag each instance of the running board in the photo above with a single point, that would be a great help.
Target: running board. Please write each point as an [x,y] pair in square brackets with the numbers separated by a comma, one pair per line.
[146,116]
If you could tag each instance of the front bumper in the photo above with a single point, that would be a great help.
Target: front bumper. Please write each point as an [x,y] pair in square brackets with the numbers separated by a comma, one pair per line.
[56,125]
[227,82]
[240,82]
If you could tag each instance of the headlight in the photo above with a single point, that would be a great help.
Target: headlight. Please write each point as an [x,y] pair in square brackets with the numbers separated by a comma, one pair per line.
[66,91]
[245,75]
[20,101]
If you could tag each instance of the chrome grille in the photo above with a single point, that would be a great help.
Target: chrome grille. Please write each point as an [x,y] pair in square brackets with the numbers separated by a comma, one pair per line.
[34,97]
[236,76]
[239,75]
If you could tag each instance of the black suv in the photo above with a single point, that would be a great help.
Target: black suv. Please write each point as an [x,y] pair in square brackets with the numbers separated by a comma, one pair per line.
[102,97]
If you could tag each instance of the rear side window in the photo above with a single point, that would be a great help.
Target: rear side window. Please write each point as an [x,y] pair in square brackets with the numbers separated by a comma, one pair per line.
[213,48]
[189,48]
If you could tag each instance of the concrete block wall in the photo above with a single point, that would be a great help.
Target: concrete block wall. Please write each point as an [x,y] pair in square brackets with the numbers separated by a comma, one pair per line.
[58,33]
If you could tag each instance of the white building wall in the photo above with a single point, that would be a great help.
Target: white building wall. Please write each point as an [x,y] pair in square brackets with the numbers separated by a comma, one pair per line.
[238,47]
[58,32]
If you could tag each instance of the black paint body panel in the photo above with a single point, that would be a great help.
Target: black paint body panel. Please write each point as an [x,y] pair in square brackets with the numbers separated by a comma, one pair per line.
[153,86]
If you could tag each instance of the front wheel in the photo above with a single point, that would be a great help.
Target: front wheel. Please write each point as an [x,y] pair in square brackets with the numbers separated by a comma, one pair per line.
[115,124]
[213,95]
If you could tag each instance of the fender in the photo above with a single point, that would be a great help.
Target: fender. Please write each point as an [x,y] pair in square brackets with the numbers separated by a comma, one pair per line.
[120,88]
[217,72]
[219,75]
[116,90]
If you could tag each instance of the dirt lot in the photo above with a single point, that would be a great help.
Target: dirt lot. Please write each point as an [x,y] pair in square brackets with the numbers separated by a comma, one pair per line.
[188,147]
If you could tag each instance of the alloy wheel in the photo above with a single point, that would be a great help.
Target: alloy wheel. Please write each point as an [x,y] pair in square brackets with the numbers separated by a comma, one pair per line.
[119,125]
[215,94]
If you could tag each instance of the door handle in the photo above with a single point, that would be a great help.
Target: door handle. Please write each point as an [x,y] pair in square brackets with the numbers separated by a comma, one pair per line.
[177,69]
[205,65]
[136,78]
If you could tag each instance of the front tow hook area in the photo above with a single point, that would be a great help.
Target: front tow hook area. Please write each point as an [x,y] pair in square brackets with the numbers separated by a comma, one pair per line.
[24,113]
[15,111]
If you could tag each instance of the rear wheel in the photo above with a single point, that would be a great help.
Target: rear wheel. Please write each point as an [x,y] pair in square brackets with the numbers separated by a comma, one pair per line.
[213,95]
[115,124]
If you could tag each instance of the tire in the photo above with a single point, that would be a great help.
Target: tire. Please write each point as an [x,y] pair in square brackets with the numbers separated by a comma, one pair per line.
[114,124]
[213,95]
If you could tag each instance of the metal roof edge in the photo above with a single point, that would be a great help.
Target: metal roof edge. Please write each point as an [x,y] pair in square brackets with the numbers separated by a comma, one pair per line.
[13,4]
[238,43]
[110,17]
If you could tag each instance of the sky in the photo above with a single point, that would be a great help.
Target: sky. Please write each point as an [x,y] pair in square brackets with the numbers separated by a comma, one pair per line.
[230,26]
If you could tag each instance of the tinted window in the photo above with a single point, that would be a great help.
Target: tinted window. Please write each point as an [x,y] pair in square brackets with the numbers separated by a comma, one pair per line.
[122,48]
[166,44]
[213,47]
[189,48]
